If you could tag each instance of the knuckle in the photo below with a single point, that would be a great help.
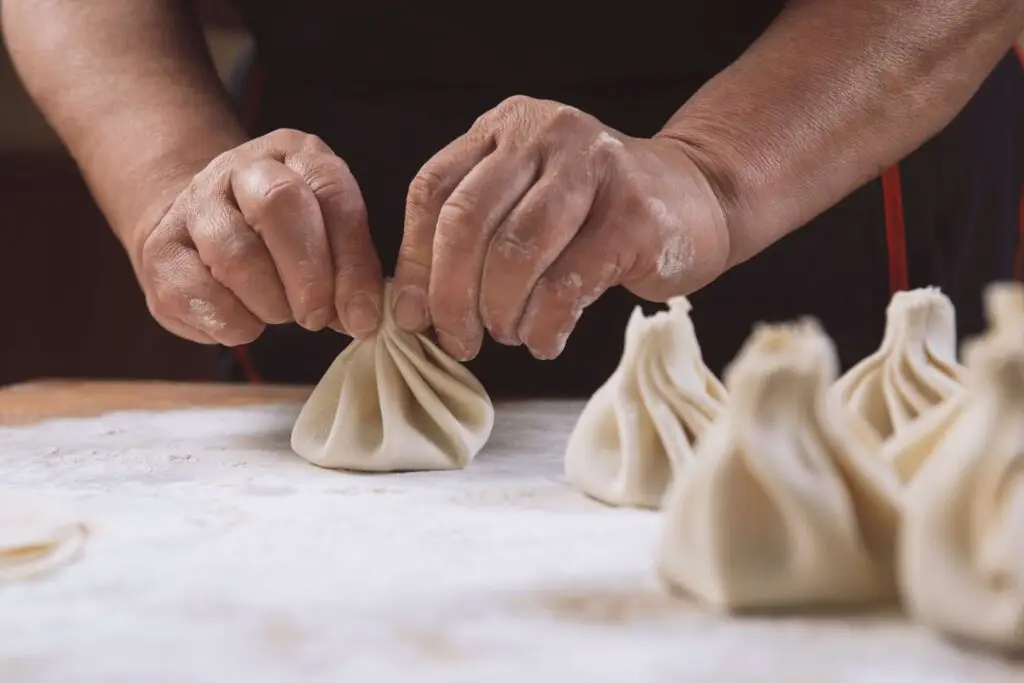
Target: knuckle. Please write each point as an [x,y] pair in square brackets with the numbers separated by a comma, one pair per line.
[286,137]
[166,300]
[519,240]
[287,191]
[312,143]
[233,257]
[516,102]
[425,189]
[565,115]
[455,224]
[411,260]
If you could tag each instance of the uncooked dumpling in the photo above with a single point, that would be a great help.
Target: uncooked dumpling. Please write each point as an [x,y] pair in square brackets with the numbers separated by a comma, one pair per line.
[908,450]
[914,370]
[962,542]
[394,402]
[782,506]
[35,536]
[1004,304]
[641,425]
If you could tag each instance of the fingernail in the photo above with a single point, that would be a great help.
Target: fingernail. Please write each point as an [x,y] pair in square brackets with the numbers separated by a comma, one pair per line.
[361,314]
[318,319]
[410,309]
[453,346]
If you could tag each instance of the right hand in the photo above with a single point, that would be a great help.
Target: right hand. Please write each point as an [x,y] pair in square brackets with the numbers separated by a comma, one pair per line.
[270,232]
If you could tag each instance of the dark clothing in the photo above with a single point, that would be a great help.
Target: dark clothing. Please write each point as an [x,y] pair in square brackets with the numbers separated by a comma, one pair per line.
[388,85]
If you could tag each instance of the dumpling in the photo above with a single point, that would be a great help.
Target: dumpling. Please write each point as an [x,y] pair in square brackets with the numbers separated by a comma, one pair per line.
[962,543]
[1004,304]
[35,537]
[395,402]
[914,369]
[782,506]
[640,426]
[908,450]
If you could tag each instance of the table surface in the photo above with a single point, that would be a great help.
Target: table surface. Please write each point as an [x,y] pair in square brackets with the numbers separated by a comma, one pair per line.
[30,402]
[216,554]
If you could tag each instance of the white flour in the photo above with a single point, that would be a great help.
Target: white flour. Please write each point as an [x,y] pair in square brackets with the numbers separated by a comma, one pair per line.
[217,555]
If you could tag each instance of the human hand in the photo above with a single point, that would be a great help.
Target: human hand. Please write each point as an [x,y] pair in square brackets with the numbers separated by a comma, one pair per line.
[530,216]
[270,232]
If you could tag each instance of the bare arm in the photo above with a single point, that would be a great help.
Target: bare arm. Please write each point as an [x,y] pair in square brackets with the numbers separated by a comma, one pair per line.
[835,91]
[226,235]
[130,88]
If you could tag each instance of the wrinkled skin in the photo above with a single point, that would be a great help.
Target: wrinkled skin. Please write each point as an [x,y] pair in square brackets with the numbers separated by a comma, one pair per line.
[267,233]
[525,220]
[512,229]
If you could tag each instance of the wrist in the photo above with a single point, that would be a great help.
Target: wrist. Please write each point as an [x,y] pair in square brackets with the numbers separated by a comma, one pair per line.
[135,184]
[724,184]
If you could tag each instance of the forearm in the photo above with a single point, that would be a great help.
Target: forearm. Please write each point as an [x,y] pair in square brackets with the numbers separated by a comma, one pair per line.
[835,91]
[129,87]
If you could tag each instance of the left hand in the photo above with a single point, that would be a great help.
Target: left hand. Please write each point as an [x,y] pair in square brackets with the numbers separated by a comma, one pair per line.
[530,216]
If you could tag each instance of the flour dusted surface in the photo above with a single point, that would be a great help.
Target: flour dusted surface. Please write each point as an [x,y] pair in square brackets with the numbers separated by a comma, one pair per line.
[218,555]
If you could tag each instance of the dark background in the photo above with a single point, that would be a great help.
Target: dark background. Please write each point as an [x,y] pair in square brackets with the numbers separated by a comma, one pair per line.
[69,303]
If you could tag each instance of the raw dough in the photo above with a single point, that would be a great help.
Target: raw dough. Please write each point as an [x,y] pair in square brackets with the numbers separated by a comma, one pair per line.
[914,369]
[395,402]
[35,536]
[909,450]
[962,542]
[1004,304]
[641,425]
[782,507]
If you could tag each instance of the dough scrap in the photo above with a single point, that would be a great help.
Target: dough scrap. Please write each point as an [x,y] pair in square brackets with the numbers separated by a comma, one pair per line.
[35,537]
[961,556]
[913,370]
[640,426]
[394,402]
[783,507]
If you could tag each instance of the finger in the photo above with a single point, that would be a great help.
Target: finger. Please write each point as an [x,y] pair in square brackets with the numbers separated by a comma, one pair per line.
[358,281]
[180,329]
[464,229]
[526,244]
[285,213]
[239,259]
[182,289]
[428,192]
[581,274]
[185,331]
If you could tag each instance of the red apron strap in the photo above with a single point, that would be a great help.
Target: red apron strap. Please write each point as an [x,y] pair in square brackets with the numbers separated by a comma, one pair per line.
[895,229]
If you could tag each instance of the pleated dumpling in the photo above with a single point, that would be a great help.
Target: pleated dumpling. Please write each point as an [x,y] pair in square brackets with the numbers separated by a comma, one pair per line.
[908,450]
[914,369]
[394,402]
[782,506]
[962,543]
[640,426]
[1004,304]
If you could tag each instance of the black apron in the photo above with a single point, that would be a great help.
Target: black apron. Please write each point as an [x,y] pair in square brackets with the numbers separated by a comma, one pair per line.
[386,85]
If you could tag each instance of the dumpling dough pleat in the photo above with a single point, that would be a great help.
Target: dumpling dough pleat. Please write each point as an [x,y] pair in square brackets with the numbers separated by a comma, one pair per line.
[962,543]
[1004,304]
[908,450]
[914,369]
[35,537]
[640,426]
[782,507]
[395,402]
